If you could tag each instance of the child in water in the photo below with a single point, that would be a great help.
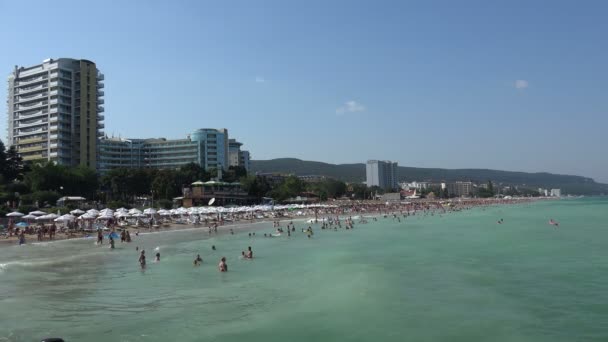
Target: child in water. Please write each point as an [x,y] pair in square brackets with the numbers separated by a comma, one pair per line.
[157,257]
[223,266]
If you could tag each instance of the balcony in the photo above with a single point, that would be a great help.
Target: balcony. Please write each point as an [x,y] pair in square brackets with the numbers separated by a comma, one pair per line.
[100,93]
[26,131]
[100,76]
[100,126]
[53,136]
[100,117]
[31,113]
[31,140]
[34,156]
[26,90]
[33,148]
[100,109]
[100,85]
[100,101]
[32,105]
[31,97]
[30,124]
[32,80]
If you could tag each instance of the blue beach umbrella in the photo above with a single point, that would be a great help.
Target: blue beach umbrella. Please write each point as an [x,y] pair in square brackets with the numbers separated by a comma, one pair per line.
[22,224]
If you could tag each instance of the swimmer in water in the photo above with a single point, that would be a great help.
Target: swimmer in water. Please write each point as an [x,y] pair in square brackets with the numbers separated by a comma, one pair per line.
[223,266]
[198,260]
[142,259]
[249,254]
[243,256]
[213,247]
[157,257]
[111,242]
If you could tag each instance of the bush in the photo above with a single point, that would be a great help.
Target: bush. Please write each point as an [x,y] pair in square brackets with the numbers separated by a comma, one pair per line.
[117,204]
[27,199]
[165,204]
[26,209]
[4,210]
[19,187]
[46,197]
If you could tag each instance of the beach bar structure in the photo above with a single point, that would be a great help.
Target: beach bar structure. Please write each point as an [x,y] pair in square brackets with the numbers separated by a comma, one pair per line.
[201,193]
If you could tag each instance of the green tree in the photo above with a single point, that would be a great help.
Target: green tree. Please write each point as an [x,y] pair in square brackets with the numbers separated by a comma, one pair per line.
[14,165]
[257,187]
[2,160]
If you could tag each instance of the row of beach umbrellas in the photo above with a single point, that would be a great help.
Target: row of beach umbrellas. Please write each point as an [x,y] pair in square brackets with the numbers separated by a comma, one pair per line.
[107,214]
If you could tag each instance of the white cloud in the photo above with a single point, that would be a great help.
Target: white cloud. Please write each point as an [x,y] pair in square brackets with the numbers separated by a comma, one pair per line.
[521,84]
[350,107]
[259,79]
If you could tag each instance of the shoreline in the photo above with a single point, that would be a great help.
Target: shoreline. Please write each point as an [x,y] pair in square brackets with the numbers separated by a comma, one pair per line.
[377,209]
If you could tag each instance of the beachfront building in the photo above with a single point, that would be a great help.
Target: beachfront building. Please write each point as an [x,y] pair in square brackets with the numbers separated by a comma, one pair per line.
[556,192]
[382,174]
[55,111]
[201,147]
[415,185]
[215,147]
[460,189]
[236,156]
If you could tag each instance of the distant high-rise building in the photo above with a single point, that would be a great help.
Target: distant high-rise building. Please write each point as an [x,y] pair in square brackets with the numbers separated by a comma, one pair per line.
[382,174]
[54,111]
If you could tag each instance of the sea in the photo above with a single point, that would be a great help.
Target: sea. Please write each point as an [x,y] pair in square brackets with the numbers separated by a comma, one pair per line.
[445,277]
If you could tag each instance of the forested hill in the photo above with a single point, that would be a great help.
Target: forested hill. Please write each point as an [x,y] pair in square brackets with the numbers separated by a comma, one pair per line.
[356,173]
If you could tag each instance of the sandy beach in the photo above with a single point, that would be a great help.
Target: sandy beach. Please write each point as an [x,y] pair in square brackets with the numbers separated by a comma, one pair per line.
[238,223]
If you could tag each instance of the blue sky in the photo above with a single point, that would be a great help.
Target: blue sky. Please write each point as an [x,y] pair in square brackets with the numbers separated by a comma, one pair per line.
[513,85]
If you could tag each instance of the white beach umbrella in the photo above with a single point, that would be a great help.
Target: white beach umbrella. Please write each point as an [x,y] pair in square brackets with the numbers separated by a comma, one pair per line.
[37,213]
[134,211]
[121,215]
[77,212]
[87,216]
[139,215]
[28,217]
[150,211]
[93,212]
[14,214]
[47,217]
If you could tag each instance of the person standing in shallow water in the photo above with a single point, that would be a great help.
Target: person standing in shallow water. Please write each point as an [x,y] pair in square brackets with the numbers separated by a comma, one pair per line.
[142,259]
[223,266]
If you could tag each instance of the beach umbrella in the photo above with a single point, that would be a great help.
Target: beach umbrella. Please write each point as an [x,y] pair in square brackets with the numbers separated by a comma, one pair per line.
[22,224]
[134,211]
[86,216]
[121,215]
[150,211]
[211,201]
[29,217]
[37,213]
[93,212]
[14,214]
[77,212]
[198,183]
[139,215]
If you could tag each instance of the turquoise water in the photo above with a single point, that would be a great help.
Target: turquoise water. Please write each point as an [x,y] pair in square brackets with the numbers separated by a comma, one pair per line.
[458,277]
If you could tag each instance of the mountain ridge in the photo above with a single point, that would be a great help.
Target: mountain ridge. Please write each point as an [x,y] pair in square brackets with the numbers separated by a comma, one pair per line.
[570,184]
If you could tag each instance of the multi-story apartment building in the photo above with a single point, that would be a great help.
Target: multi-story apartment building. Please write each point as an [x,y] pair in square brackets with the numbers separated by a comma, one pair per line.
[460,188]
[236,156]
[55,111]
[381,173]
